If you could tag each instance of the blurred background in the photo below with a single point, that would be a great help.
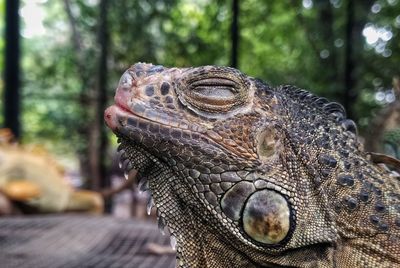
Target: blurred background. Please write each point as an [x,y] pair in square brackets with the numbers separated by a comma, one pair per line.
[61,61]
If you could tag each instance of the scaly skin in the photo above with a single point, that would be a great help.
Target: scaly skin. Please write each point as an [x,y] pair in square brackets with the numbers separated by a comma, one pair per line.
[246,175]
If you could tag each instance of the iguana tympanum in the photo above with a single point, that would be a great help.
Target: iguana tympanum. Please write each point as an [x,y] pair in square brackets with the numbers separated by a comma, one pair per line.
[249,175]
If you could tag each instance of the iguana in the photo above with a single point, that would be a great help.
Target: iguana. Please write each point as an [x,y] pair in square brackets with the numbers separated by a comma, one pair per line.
[249,175]
[35,183]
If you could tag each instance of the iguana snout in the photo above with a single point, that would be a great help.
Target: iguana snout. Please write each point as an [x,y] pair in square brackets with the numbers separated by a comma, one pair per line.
[145,99]
[155,105]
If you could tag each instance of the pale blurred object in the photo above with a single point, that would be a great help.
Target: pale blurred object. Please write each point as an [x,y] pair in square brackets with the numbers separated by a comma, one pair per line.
[6,136]
[5,205]
[21,190]
[30,177]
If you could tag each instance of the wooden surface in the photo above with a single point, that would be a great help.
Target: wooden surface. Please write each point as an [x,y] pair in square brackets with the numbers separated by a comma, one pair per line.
[80,241]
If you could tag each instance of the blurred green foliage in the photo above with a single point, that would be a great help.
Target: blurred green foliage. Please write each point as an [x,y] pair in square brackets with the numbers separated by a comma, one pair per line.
[281,42]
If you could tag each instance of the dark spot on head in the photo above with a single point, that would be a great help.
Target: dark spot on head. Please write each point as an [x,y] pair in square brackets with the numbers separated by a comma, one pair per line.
[374,219]
[164,88]
[327,160]
[350,202]
[364,195]
[149,91]
[325,173]
[169,99]
[383,226]
[345,180]
[397,222]
[379,207]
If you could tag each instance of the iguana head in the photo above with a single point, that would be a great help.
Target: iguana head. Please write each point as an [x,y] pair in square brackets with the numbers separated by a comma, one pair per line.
[236,168]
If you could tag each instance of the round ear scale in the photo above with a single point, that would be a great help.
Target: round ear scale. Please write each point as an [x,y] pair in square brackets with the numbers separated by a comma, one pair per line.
[267,217]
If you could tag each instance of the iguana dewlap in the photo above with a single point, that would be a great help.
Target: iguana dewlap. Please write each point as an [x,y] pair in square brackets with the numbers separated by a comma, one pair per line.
[249,175]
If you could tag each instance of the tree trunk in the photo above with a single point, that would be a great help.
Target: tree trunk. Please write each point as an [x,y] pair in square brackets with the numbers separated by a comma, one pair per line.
[12,69]
[94,97]
[103,37]
[235,33]
[356,18]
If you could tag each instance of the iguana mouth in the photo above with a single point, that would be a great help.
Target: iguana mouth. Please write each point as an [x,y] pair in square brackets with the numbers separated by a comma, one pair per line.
[140,106]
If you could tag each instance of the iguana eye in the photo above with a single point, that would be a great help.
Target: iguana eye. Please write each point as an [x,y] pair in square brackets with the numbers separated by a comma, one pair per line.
[216,92]
[212,94]
[266,217]
[219,92]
